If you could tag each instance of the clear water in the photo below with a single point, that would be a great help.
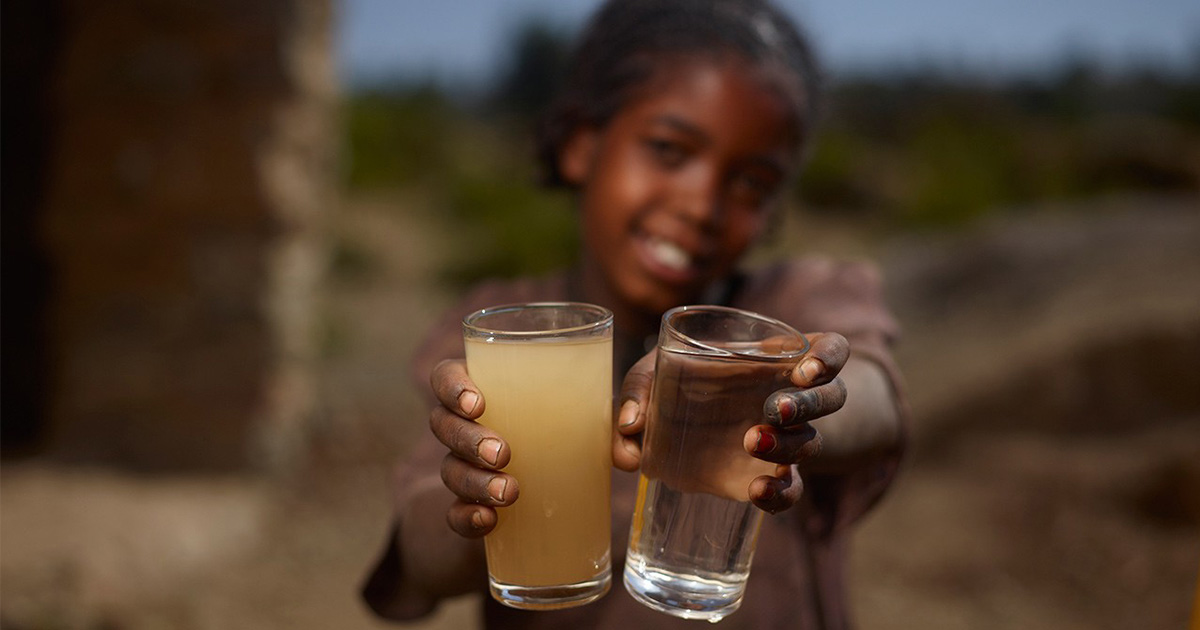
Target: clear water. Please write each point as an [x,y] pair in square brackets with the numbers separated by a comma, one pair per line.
[694,529]
[690,552]
[700,410]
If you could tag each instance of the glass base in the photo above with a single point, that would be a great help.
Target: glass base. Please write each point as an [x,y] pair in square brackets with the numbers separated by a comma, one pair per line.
[681,595]
[550,597]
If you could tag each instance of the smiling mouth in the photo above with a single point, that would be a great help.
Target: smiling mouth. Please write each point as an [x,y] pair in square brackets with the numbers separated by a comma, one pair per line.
[669,254]
[668,261]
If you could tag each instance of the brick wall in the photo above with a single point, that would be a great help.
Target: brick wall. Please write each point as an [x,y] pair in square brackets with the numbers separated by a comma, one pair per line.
[191,170]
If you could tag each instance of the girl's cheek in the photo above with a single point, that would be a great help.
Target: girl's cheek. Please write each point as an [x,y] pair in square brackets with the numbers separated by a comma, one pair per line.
[749,229]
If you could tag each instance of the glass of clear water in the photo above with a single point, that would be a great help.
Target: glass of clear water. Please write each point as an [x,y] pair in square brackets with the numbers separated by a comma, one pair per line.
[694,529]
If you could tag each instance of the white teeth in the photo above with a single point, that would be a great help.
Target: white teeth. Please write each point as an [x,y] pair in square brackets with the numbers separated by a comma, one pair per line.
[670,255]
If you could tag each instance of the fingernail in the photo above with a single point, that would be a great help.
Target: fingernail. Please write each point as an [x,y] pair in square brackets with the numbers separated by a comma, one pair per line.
[812,369]
[489,450]
[766,443]
[477,520]
[630,447]
[468,400]
[629,413]
[768,492]
[496,488]
[787,409]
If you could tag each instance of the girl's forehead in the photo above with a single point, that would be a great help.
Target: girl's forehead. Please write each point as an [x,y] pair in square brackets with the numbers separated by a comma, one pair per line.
[711,74]
[721,102]
[709,83]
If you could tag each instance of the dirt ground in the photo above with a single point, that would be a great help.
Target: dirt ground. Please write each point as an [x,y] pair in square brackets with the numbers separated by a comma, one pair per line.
[1053,366]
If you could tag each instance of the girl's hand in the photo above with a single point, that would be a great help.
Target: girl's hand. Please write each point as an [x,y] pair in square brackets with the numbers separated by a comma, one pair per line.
[471,470]
[630,418]
[787,438]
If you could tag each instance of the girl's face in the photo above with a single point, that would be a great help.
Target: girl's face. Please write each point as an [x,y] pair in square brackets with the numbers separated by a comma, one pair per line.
[679,183]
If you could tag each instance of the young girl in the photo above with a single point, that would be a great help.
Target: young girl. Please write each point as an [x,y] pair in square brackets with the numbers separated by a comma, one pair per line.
[679,128]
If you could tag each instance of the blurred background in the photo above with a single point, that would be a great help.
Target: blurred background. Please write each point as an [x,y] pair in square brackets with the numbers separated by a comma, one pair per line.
[226,226]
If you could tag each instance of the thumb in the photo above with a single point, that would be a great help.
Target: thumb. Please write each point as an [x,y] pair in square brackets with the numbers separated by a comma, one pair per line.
[630,418]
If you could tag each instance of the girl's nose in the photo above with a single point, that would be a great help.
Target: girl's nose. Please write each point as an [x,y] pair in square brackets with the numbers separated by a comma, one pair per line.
[699,199]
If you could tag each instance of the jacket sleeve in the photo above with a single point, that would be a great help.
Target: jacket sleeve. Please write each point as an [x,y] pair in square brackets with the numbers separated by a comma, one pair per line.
[821,295]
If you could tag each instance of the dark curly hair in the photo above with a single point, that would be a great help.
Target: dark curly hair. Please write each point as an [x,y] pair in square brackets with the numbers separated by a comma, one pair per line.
[626,41]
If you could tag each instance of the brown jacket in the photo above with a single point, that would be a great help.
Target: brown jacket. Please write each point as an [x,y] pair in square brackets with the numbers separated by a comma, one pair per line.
[797,578]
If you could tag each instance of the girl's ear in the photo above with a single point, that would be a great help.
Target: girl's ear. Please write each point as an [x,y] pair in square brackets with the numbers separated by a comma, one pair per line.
[578,153]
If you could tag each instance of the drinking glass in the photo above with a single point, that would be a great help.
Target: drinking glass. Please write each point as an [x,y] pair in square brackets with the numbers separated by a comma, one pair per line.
[545,372]
[694,529]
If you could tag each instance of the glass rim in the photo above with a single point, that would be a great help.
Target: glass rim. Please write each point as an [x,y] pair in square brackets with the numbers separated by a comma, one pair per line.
[603,319]
[712,350]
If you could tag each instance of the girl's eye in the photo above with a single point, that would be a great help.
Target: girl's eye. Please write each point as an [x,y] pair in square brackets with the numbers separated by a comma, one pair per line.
[667,152]
[754,190]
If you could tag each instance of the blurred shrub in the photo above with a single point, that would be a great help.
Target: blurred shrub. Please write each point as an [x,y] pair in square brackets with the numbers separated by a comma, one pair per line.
[514,228]
[351,261]
[929,150]
[471,159]
[475,173]
[397,137]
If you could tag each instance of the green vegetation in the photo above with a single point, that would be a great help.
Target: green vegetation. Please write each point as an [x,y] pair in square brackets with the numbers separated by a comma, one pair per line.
[927,151]
[916,151]
[475,172]
[398,137]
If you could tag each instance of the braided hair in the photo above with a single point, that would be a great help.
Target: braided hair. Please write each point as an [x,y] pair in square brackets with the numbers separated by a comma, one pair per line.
[627,41]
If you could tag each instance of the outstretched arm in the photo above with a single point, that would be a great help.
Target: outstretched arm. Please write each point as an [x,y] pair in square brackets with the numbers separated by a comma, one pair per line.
[841,416]
[867,426]
[424,560]
[435,548]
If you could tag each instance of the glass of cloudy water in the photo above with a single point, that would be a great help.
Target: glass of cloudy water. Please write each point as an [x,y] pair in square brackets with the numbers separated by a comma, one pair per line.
[694,529]
[545,372]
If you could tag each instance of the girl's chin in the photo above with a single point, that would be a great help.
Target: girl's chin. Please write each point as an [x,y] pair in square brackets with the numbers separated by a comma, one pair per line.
[654,300]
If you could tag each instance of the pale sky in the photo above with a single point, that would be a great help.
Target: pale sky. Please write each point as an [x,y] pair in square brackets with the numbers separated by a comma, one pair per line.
[463,40]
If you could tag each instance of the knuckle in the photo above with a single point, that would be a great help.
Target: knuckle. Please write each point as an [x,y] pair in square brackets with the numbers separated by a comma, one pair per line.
[447,470]
[456,435]
[442,426]
[805,445]
[478,487]
[635,382]
[840,343]
[808,403]
[822,400]
[818,444]
[796,489]
[833,348]
[459,477]
[448,379]
[438,421]
[459,516]
[639,378]
[838,386]
[439,372]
